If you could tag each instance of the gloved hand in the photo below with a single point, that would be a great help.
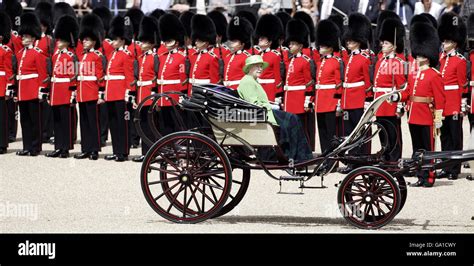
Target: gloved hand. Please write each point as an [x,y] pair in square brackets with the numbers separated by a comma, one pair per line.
[101,99]
[279,100]
[464,107]
[9,93]
[130,96]
[43,94]
[366,105]
[394,98]
[307,103]
[73,98]
[438,120]
[339,110]
[400,109]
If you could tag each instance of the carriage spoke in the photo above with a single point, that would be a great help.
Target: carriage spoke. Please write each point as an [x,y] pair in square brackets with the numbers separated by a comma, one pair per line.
[377,204]
[185,205]
[206,164]
[209,184]
[169,162]
[210,173]
[353,201]
[213,193]
[166,191]
[163,181]
[213,202]
[164,170]
[193,196]
[175,197]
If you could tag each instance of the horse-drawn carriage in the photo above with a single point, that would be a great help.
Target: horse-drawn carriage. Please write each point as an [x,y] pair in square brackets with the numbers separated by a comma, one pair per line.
[203,172]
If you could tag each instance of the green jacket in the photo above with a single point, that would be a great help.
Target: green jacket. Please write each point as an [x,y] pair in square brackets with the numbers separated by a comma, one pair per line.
[251,91]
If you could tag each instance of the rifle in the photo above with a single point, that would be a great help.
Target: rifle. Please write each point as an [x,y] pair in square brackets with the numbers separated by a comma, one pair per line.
[221,62]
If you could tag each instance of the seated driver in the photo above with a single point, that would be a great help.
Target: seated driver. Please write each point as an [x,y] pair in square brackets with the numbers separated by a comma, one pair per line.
[292,139]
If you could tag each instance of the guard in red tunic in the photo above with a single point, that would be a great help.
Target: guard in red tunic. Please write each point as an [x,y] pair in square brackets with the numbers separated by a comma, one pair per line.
[63,85]
[389,75]
[89,79]
[268,32]
[6,78]
[221,50]
[204,62]
[239,33]
[470,35]
[172,76]
[147,69]
[32,78]
[299,86]
[452,32]
[425,93]
[356,76]
[119,88]
[328,82]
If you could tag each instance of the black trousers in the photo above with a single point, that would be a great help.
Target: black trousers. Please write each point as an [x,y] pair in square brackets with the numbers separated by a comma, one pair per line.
[118,122]
[89,119]
[145,125]
[309,125]
[104,123]
[327,129]
[63,127]
[47,123]
[167,120]
[421,137]
[451,139]
[3,123]
[12,115]
[350,120]
[75,120]
[30,120]
[133,135]
[393,126]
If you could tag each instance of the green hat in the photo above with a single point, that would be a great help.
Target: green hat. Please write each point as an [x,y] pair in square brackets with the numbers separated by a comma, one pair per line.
[252,60]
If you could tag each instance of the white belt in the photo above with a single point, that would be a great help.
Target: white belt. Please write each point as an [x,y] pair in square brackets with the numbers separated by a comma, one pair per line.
[168,81]
[114,77]
[471,83]
[266,81]
[294,88]
[144,83]
[325,86]
[87,78]
[200,81]
[231,82]
[379,89]
[28,76]
[2,73]
[450,87]
[354,85]
[60,80]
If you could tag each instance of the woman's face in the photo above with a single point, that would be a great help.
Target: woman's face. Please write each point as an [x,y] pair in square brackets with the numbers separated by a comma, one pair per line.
[256,70]
[427,3]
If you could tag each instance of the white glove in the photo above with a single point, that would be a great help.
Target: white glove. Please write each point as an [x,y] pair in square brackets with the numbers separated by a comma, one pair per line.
[394,98]
[438,121]
[464,107]
[181,99]
[73,98]
[275,106]
[42,94]
[279,100]
[339,110]
[129,98]
[307,102]
[400,109]
[366,105]
[9,92]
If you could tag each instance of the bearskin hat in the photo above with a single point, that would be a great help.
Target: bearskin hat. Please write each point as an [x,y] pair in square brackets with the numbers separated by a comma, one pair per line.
[185,19]
[284,18]
[67,30]
[30,24]
[60,9]
[359,30]
[451,27]
[470,30]
[249,15]
[202,28]
[157,13]
[303,16]
[91,26]
[44,11]
[391,29]
[220,22]
[171,28]
[240,28]
[297,31]
[149,30]
[339,21]
[328,34]
[104,14]
[135,16]
[385,14]
[120,29]
[424,42]
[5,27]
[13,9]
[269,26]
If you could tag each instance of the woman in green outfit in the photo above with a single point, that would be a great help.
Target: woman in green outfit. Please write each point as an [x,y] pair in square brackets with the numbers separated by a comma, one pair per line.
[291,139]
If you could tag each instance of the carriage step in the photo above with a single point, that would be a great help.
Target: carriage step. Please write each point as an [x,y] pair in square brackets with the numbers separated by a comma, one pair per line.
[291,178]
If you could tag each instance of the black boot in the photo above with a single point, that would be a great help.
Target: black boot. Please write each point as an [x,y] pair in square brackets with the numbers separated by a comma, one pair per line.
[82,155]
[94,156]
[139,159]
[54,154]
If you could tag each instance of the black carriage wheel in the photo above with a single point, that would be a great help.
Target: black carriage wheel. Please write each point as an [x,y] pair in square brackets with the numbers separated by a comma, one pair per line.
[402,185]
[240,184]
[369,198]
[186,177]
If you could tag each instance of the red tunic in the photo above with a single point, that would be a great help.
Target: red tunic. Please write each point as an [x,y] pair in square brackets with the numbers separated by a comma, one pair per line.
[146,76]
[426,83]
[453,71]
[328,83]
[6,71]
[172,74]
[233,68]
[471,83]
[204,67]
[298,76]
[356,81]
[45,44]
[270,79]
[389,75]
[119,76]
[32,73]
[90,76]
[63,72]
[15,42]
